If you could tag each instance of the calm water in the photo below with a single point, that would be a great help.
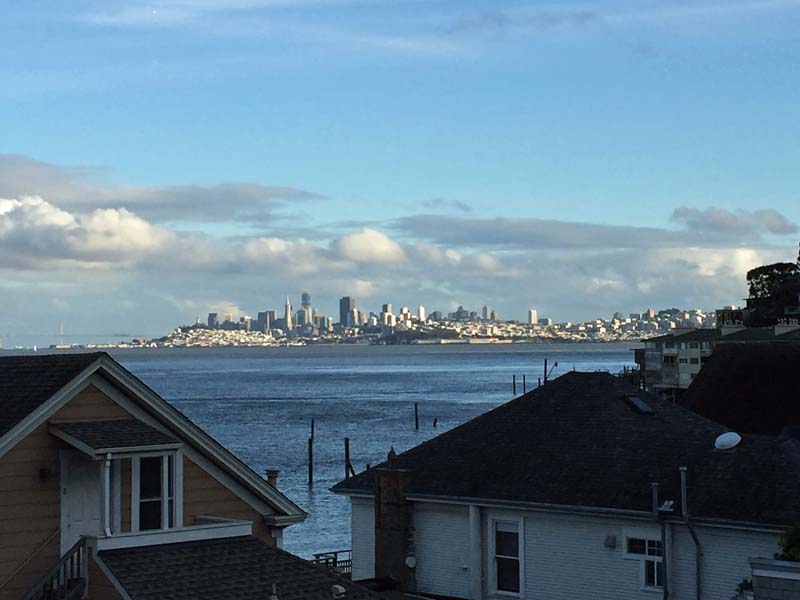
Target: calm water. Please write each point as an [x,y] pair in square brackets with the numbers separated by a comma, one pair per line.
[259,403]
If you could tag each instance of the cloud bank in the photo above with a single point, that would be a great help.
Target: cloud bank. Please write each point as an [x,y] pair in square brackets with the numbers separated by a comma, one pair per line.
[109,258]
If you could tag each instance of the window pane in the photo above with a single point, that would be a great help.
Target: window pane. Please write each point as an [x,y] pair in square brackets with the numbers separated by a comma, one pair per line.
[171,512]
[150,477]
[150,515]
[507,574]
[636,546]
[654,547]
[506,543]
[171,476]
[653,573]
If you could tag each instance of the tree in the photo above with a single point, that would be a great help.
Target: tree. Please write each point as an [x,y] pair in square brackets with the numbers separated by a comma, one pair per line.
[764,281]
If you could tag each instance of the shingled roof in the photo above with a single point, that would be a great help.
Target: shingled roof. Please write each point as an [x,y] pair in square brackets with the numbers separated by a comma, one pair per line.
[239,568]
[579,442]
[27,381]
[749,388]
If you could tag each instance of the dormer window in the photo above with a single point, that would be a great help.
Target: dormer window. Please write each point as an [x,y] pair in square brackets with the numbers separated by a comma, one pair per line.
[153,493]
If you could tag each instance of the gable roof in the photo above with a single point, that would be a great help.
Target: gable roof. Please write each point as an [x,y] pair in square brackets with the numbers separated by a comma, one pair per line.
[32,408]
[751,389]
[577,442]
[27,381]
[240,568]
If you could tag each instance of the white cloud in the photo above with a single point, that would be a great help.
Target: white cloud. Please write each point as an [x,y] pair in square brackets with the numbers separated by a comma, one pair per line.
[369,245]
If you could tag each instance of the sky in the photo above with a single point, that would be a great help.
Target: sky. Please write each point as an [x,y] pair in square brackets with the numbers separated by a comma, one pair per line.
[164,159]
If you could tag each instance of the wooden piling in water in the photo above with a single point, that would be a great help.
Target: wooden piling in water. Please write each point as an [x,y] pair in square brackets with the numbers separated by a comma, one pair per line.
[416,416]
[524,384]
[514,384]
[310,461]
[347,458]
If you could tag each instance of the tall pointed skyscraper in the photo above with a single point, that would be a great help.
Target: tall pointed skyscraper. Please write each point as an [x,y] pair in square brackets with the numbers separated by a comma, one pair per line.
[288,315]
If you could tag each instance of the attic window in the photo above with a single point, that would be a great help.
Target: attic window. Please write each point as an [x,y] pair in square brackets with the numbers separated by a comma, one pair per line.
[639,405]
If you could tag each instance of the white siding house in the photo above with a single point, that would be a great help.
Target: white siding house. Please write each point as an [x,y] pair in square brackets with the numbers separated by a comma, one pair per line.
[564,556]
[579,490]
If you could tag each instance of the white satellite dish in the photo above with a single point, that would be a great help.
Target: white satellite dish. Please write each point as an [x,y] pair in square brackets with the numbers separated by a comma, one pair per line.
[727,440]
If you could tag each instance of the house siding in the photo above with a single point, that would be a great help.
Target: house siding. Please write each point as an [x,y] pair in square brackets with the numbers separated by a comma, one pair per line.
[362,531]
[30,507]
[204,495]
[725,560]
[565,556]
[441,538]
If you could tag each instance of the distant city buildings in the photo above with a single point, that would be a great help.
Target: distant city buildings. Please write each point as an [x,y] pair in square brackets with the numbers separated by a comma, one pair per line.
[533,317]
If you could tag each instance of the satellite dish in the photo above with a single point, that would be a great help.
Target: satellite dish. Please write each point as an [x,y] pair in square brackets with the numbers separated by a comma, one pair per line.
[727,440]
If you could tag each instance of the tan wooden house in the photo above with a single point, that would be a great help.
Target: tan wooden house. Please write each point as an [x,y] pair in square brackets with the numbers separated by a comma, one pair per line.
[108,492]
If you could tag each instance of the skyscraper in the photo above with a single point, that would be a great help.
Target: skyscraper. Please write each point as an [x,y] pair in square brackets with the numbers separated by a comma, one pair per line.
[533,317]
[421,312]
[287,315]
[213,320]
[346,306]
[485,313]
[305,298]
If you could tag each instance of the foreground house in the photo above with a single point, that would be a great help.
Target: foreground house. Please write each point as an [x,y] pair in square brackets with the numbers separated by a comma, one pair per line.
[107,492]
[584,488]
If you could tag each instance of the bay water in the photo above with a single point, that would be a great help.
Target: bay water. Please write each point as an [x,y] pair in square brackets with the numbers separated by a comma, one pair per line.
[259,402]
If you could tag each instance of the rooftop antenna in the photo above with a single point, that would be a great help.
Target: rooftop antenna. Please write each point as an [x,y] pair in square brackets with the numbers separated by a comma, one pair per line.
[548,373]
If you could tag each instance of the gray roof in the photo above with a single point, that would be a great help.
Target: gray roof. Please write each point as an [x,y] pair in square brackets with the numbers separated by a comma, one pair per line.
[577,441]
[28,381]
[239,568]
[122,433]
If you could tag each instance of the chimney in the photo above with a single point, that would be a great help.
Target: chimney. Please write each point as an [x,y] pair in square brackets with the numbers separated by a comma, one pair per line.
[272,477]
[394,526]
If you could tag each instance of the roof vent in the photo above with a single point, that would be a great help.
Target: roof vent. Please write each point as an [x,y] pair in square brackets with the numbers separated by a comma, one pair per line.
[639,405]
[727,441]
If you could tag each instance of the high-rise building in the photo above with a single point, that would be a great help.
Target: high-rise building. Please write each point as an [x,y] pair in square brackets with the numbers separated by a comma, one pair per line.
[305,300]
[387,308]
[421,313]
[287,319]
[213,320]
[264,320]
[347,305]
[533,317]
[485,313]
[228,318]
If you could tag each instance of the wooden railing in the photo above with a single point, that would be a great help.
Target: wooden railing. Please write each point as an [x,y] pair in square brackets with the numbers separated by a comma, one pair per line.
[66,580]
[339,561]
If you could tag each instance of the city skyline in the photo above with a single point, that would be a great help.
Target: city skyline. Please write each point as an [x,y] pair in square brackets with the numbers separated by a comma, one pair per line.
[172,158]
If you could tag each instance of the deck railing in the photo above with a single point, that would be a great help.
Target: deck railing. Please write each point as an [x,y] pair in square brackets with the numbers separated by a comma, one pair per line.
[339,561]
[66,580]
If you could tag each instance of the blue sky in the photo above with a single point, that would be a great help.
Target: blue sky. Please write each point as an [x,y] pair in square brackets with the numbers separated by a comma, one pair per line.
[358,116]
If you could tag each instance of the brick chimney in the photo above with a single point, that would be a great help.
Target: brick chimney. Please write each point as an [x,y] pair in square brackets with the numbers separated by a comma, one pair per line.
[394,526]
[272,477]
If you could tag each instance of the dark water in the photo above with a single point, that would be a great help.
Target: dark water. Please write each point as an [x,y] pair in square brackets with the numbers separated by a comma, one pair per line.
[259,402]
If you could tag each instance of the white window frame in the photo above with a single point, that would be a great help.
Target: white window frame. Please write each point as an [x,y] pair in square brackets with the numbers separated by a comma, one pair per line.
[492,522]
[177,489]
[644,558]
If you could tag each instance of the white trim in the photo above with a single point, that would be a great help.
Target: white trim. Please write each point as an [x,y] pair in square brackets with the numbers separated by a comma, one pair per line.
[757,572]
[475,552]
[116,472]
[229,470]
[105,479]
[135,486]
[38,416]
[245,492]
[165,492]
[493,518]
[179,489]
[210,531]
